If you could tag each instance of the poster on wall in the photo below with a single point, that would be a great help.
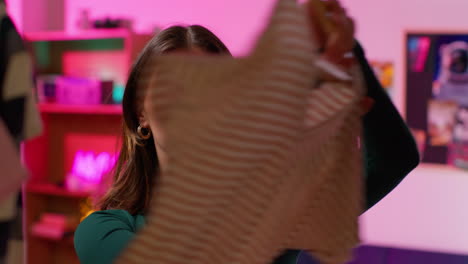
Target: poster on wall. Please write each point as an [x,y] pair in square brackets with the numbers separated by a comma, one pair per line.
[437,94]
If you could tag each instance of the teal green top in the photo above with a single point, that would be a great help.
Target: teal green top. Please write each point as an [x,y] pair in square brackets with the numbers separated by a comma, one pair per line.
[390,153]
[103,235]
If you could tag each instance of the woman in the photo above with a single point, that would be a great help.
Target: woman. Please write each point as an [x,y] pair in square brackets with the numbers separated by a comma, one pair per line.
[103,235]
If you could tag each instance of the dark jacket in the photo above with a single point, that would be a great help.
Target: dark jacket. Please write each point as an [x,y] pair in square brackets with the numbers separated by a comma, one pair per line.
[390,152]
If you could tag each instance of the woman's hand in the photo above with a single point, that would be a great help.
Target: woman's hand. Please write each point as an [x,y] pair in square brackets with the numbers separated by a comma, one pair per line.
[333,28]
[341,40]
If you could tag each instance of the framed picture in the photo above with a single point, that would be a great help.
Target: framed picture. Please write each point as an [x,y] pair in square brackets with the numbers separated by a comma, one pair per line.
[436,80]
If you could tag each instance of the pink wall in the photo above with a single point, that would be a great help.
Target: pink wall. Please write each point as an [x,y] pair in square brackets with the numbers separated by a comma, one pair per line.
[235,22]
[428,211]
[37,15]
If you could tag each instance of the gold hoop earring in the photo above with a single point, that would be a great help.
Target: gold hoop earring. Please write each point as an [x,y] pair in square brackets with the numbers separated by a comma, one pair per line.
[141,134]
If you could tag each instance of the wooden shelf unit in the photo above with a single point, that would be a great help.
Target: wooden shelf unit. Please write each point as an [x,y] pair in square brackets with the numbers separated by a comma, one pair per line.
[102,54]
[49,189]
[81,109]
[44,155]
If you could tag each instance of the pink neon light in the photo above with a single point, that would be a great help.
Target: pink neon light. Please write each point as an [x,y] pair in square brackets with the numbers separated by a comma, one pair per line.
[91,168]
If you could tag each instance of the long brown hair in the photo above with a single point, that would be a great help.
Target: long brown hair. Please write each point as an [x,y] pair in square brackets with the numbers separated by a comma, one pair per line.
[137,166]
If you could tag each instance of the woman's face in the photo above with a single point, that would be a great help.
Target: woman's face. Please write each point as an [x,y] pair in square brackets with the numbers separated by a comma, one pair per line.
[150,119]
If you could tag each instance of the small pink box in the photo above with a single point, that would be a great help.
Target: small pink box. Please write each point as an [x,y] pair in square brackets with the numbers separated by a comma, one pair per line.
[54,219]
[49,231]
[75,91]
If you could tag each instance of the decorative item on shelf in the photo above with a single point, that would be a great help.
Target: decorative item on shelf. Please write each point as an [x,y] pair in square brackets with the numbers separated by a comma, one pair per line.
[71,90]
[77,91]
[89,169]
[54,226]
[109,23]
[88,159]
[118,93]
[46,88]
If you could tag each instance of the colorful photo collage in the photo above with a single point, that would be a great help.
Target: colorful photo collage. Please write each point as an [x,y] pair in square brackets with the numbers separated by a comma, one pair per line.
[447,112]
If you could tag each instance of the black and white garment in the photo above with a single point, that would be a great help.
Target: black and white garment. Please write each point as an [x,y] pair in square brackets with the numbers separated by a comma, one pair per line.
[19,120]
[17,104]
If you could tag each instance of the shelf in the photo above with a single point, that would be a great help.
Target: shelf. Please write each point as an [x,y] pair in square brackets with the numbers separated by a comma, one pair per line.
[54,190]
[80,109]
[67,240]
[78,35]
